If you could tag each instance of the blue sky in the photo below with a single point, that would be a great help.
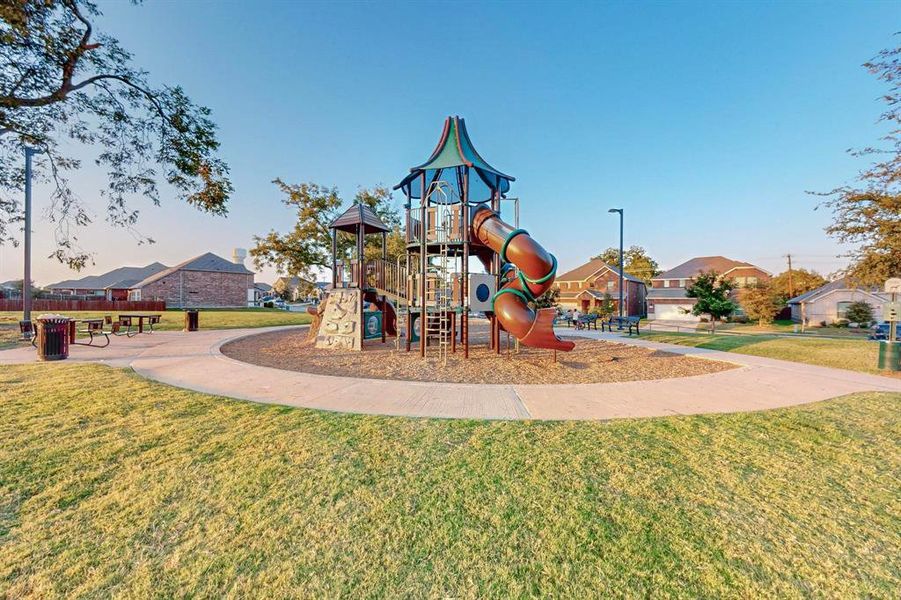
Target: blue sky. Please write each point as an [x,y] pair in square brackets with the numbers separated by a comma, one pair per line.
[706,122]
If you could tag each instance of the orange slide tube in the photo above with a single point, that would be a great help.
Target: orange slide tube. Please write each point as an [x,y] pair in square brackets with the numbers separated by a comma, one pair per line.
[537,270]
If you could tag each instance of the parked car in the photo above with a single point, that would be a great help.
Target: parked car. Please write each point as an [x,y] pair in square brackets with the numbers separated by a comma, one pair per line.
[274,302]
[880,332]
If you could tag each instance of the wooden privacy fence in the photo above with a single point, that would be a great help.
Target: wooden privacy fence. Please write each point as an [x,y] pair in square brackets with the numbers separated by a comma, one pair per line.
[42,305]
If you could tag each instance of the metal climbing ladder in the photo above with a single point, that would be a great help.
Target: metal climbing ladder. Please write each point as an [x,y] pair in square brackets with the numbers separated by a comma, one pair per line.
[440,290]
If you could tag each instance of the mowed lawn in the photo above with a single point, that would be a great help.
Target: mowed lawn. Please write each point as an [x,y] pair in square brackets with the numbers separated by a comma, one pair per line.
[853,354]
[174,320]
[136,489]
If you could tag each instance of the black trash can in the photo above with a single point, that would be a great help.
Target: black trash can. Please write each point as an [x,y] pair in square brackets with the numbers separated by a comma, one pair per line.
[53,337]
[192,318]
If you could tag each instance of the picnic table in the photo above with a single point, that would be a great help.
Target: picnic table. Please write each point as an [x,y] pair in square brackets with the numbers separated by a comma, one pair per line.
[125,320]
[92,327]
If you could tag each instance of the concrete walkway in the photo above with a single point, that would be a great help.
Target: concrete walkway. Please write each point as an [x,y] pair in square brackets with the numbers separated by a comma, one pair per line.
[193,361]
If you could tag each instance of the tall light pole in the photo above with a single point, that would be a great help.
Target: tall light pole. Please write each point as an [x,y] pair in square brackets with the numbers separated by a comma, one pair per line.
[620,211]
[26,282]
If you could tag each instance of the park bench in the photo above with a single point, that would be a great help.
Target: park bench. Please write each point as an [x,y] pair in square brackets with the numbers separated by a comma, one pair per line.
[587,321]
[559,319]
[631,323]
[28,332]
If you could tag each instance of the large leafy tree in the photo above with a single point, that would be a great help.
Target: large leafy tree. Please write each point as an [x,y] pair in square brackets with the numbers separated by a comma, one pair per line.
[760,302]
[713,294]
[787,285]
[307,246]
[62,84]
[636,262]
[868,215]
[549,299]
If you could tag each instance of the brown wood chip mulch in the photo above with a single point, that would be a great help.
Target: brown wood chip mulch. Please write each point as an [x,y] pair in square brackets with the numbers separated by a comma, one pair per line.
[591,361]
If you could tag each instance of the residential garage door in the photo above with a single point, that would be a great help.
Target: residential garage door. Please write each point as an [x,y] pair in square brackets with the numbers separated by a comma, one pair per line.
[673,312]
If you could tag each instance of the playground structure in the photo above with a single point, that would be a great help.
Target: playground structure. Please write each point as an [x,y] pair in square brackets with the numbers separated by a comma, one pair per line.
[453,212]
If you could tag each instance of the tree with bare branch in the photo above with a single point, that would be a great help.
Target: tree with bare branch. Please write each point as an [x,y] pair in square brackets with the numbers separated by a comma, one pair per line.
[63,83]
[869,215]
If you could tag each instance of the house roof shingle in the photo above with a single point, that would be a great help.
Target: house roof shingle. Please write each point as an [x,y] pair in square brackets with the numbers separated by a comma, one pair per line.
[583,272]
[701,264]
[106,280]
[207,262]
[838,284]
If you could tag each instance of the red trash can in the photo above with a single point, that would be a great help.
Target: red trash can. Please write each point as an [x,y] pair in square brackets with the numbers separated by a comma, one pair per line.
[53,337]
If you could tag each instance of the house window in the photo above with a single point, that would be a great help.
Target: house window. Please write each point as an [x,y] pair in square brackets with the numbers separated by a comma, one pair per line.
[752,281]
[666,283]
[610,285]
[841,309]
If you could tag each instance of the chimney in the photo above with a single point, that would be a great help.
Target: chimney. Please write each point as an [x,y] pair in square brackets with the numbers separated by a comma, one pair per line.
[238,256]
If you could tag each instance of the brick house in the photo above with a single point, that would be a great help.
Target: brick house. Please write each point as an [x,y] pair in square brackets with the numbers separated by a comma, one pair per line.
[667,299]
[204,281]
[584,288]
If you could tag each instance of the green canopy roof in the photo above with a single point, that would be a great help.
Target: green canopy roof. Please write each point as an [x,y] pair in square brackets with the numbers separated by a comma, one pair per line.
[454,150]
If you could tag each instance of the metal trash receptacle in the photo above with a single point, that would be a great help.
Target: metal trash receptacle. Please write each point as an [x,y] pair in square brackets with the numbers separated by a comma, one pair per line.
[890,355]
[192,320]
[53,337]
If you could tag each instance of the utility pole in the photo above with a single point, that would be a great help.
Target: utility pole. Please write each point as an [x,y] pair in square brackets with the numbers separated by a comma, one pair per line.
[26,282]
[791,284]
[621,261]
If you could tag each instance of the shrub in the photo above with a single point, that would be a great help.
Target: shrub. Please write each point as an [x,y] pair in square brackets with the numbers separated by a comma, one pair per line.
[859,312]
[269,304]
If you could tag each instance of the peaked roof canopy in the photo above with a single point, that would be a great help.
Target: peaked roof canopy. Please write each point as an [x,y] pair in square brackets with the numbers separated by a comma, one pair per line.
[356,214]
[454,149]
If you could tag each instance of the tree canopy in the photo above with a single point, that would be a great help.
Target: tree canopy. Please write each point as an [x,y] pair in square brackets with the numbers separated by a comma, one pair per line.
[800,281]
[636,262]
[868,215]
[760,302]
[64,84]
[308,245]
[713,296]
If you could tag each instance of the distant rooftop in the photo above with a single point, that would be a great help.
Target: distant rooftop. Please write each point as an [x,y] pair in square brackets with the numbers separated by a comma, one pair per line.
[702,264]
[207,262]
[106,280]
[583,272]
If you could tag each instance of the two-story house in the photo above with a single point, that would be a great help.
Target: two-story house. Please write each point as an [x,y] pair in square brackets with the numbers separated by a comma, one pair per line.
[667,299]
[585,286]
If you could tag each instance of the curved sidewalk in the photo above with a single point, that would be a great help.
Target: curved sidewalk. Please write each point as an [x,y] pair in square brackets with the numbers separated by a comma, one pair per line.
[193,361]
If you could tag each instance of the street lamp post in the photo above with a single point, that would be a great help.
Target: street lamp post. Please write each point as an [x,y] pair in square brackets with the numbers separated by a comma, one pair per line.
[26,282]
[620,211]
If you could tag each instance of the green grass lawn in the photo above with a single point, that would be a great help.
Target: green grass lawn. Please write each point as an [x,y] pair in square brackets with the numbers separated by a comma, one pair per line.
[137,489]
[857,355]
[174,320]
[786,326]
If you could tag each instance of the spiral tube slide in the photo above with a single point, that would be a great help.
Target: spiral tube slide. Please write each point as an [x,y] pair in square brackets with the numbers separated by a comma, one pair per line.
[537,269]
